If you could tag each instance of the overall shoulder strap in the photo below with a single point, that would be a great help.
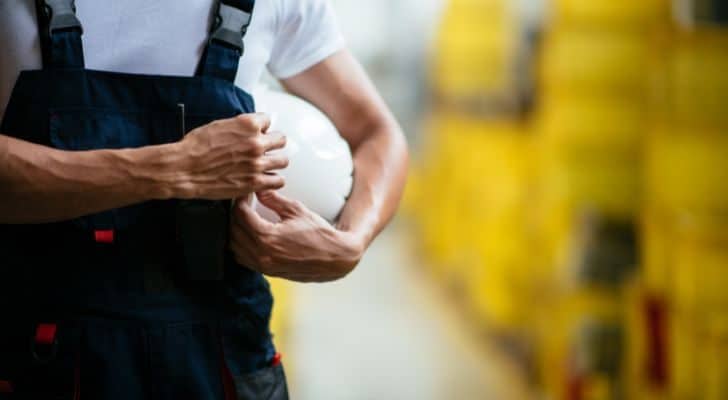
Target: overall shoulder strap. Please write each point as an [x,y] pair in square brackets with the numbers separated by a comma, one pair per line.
[60,34]
[225,43]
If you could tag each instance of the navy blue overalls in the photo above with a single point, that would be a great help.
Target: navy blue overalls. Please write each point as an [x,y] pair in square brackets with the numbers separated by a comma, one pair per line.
[107,306]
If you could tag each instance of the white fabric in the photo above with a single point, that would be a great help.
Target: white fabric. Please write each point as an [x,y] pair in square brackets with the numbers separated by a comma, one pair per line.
[166,37]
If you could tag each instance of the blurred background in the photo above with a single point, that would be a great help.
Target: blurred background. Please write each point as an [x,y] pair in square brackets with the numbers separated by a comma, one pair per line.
[564,233]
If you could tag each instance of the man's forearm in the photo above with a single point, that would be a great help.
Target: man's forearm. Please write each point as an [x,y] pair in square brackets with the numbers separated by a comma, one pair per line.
[41,184]
[380,169]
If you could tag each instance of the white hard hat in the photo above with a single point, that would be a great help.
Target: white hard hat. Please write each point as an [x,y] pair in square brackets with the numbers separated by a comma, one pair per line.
[319,173]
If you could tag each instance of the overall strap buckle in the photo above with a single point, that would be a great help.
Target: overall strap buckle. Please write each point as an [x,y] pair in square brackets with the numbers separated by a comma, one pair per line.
[225,43]
[61,14]
[231,24]
[60,34]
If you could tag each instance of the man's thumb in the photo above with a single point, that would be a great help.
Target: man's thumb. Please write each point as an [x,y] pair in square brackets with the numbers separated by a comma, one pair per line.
[281,205]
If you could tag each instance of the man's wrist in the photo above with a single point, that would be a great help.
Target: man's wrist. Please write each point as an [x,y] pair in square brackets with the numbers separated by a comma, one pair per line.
[156,171]
[357,239]
[358,220]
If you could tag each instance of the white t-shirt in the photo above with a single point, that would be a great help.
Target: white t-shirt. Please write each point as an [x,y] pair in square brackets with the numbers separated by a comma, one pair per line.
[166,37]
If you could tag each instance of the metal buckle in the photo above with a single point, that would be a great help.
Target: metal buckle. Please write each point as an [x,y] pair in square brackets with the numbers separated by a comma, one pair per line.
[61,14]
[230,26]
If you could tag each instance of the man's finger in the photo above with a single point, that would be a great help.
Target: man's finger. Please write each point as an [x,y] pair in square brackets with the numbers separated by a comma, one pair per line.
[255,122]
[268,182]
[272,163]
[281,205]
[251,219]
[273,141]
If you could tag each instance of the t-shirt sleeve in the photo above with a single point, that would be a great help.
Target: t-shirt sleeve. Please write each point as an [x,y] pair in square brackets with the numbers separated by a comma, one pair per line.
[306,33]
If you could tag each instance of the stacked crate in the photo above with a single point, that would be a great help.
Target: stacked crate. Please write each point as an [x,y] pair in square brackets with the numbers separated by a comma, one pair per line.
[474,53]
[686,223]
[603,234]
[591,120]
[469,191]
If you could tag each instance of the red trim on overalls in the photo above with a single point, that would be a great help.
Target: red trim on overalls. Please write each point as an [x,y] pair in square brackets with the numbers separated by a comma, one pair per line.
[104,236]
[45,334]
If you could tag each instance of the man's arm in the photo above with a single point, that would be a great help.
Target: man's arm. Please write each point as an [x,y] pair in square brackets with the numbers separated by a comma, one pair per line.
[41,184]
[342,90]
[303,246]
[224,159]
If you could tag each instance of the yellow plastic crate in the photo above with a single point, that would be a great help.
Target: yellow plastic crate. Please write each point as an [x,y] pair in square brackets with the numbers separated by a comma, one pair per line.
[440,210]
[590,153]
[475,48]
[687,170]
[698,81]
[686,264]
[563,334]
[627,14]
[656,241]
[498,285]
[684,342]
[636,353]
[698,354]
[473,195]
[700,270]
[610,187]
[715,355]
[606,126]
[593,60]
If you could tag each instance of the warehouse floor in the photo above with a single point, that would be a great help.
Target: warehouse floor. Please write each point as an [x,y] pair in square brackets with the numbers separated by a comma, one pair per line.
[386,332]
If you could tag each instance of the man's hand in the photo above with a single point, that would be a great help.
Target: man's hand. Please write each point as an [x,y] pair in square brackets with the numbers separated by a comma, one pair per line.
[302,247]
[228,158]
[222,160]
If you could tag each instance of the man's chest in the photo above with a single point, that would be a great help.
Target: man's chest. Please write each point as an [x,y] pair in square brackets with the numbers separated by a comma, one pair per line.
[162,37]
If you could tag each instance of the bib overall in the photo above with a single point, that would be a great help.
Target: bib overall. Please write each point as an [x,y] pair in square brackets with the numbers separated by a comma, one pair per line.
[121,304]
